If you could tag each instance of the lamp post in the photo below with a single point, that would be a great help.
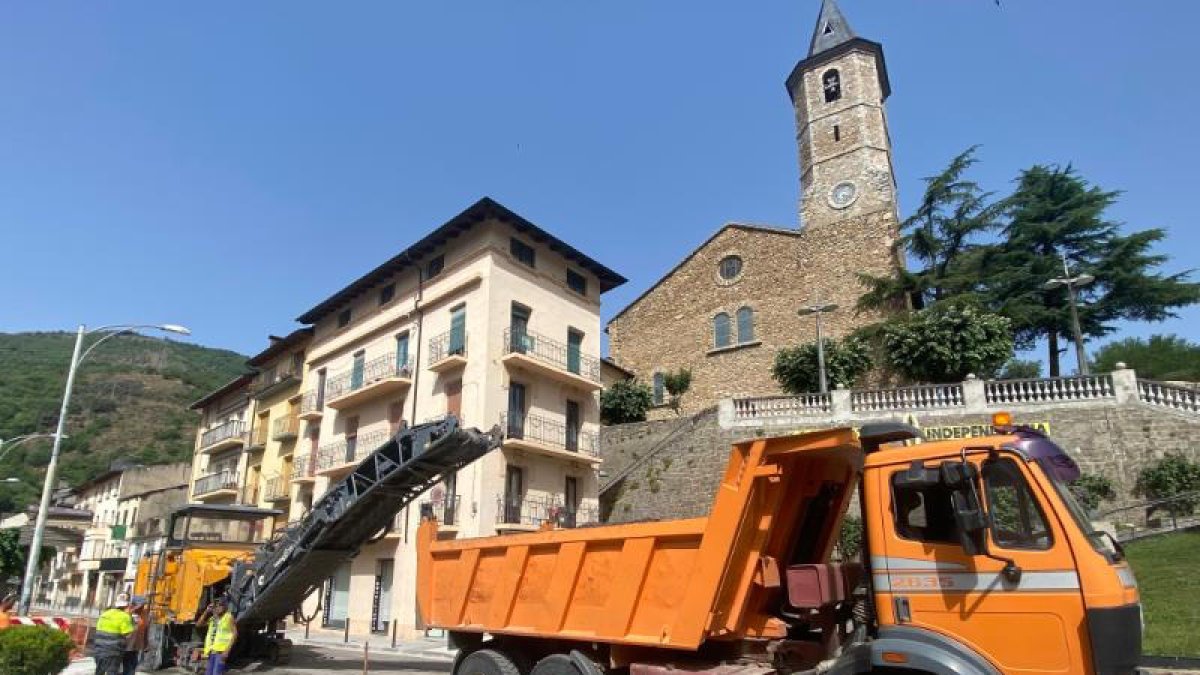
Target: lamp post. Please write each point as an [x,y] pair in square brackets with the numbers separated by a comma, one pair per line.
[9,444]
[817,310]
[1073,282]
[39,528]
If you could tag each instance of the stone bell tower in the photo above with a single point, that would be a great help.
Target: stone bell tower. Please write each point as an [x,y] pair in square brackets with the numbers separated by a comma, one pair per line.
[838,92]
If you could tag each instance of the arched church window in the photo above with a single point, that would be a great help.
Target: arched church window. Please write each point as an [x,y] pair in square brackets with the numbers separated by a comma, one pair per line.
[721,332]
[745,325]
[831,82]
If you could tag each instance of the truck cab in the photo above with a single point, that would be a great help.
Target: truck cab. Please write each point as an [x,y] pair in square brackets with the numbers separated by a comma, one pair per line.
[979,554]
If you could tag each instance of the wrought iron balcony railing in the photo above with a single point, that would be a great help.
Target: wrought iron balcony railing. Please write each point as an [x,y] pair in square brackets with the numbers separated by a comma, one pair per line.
[548,431]
[259,435]
[275,378]
[552,353]
[312,402]
[276,488]
[224,431]
[534,511]
[225,479]
[350,450]
[285,427]
[305,466]
[376,369]
[444,509]
[450,343]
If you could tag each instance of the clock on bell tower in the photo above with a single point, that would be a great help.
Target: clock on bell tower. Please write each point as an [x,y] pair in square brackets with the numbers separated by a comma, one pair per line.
[838,92]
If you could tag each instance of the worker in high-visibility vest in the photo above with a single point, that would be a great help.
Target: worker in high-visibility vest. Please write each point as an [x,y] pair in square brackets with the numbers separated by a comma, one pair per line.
[6,609]
[112,630]
[222,631]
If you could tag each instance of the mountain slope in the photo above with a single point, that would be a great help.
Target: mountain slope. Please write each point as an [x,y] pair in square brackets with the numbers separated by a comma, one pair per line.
[130,402]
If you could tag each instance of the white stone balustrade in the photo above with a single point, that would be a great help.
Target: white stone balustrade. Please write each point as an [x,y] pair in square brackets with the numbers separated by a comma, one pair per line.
[972,396]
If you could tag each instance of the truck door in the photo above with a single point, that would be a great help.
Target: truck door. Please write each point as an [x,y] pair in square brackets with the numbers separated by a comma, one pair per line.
[1033,623]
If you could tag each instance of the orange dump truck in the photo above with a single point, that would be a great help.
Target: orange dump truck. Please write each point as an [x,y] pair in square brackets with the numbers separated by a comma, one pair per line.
[975,559]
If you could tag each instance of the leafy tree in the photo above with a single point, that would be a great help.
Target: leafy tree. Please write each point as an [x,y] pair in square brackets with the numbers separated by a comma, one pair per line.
[1020,369]
[940,237]
[34,650]
[945,343]
[1171,477]
[1091,489]
[677,384]
[13,556]
[846,360]
[625,402]
[1162,357]
[1058,218]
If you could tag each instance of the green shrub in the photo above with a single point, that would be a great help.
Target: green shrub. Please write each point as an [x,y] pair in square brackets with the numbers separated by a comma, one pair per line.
[1173,476]
[625,402]
[1091,489]
[846,360]
[34,650]
[850,538]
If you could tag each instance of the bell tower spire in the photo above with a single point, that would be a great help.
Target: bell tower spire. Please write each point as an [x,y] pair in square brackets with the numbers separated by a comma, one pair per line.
[838,91]
[832,29]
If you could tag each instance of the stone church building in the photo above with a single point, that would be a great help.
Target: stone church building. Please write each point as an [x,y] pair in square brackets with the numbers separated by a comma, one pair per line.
[730,305]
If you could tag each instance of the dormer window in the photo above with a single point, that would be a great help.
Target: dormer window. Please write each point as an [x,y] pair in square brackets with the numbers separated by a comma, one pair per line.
[831,83]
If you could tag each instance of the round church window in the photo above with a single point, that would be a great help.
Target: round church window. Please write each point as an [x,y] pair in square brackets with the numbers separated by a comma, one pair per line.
[731,267]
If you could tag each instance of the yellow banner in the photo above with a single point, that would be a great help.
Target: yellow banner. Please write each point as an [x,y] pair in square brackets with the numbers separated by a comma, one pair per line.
[942,433]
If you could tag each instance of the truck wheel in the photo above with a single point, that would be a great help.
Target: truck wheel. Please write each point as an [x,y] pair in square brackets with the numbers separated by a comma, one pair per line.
[556,664]
[487,662]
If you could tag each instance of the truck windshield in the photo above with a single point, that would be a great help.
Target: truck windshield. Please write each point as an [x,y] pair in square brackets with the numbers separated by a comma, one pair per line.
[1062,471]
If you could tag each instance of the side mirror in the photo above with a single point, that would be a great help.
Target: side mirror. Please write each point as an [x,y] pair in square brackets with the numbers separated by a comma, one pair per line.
[969,516]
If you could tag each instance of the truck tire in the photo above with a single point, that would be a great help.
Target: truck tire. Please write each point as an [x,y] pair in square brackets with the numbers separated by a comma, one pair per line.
[487,662]
[556,664]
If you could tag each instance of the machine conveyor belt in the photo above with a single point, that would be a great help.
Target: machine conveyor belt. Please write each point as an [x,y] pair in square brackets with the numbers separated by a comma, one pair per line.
[289,567]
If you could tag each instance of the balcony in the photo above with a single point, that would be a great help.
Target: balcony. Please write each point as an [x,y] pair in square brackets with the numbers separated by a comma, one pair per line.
[380,376]
[229,434]
[277,488]
[312,405]
[531,513]
[258,438]
[220,484]
[445,510]
[448,351]
[274,380]
[304,469]
[249,495]
[548,437]
[338,458]
[285,428]
[550,358]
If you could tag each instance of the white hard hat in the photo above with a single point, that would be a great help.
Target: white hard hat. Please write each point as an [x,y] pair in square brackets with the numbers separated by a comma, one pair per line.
[121,601]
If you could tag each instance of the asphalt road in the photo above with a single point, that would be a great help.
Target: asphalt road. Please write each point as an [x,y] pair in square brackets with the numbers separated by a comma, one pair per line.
[311,660]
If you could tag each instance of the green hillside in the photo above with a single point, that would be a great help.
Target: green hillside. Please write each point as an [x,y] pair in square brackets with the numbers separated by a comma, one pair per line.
[130,402]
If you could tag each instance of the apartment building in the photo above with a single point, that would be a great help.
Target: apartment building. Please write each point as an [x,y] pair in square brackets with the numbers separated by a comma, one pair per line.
[488,317]
[220,460]
[275,395]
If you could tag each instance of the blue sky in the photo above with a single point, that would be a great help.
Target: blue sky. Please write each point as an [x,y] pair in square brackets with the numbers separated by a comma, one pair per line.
[228,165]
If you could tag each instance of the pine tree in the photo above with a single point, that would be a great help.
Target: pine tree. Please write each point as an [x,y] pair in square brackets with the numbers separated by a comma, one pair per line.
[940,236]
[1058,217]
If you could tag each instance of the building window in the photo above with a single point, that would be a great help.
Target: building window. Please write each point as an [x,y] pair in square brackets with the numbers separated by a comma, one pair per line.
[831,83]
[658,389]
[721,334]
[344,318]
[435,267]
[387,293]
[402,352]
[745,325]
[730,267]
[521,251]
[576,282]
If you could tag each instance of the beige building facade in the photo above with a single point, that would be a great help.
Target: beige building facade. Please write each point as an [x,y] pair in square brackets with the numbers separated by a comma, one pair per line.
[489,318]
[731,305]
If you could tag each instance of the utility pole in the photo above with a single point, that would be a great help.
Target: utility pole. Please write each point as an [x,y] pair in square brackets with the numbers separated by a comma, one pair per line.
[817,310]
[1072,300]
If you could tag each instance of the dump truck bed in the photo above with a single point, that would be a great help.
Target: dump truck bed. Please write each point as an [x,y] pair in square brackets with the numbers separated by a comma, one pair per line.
[668,583]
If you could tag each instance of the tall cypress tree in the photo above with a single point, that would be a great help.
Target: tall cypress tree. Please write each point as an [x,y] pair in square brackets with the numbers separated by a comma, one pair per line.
[1057,215]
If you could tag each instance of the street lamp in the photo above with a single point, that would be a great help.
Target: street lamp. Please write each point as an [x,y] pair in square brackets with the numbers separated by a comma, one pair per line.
[39,527]
[7,445]
[1073,282]
[817,310]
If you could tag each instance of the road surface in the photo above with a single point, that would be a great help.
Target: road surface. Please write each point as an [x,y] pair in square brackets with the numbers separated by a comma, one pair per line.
[315,659]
